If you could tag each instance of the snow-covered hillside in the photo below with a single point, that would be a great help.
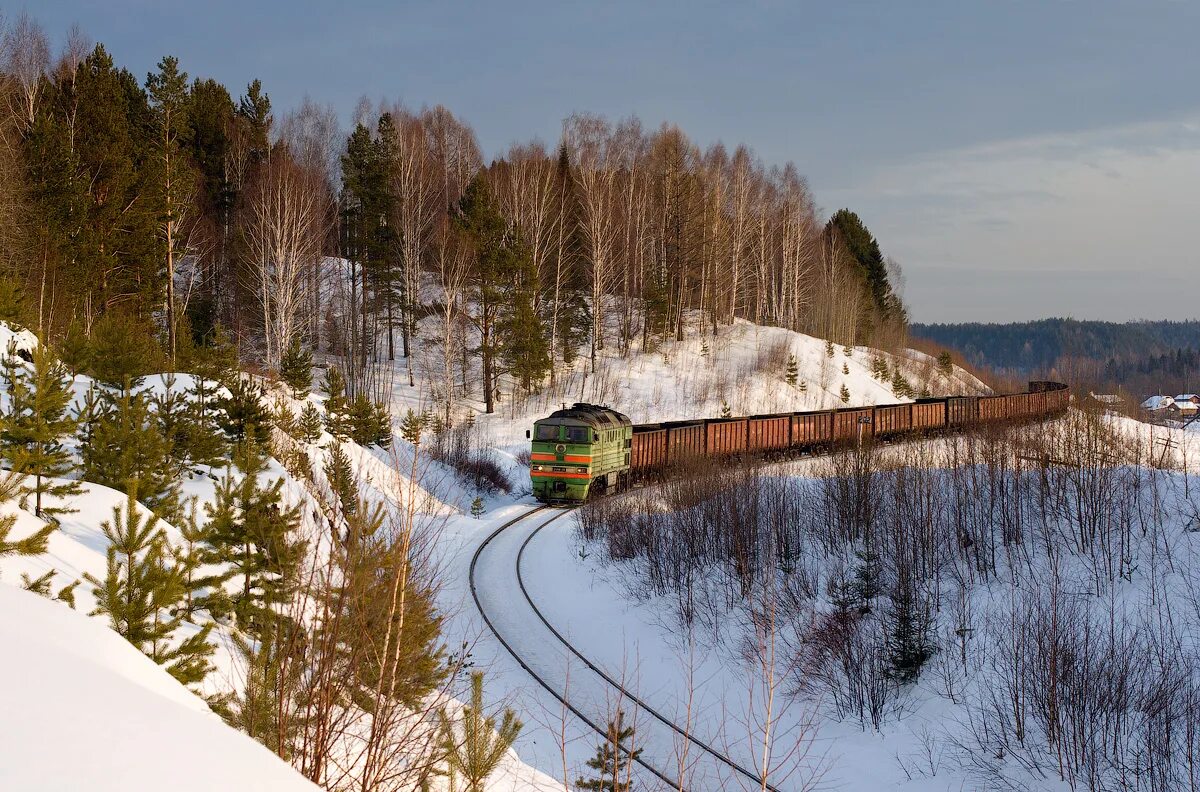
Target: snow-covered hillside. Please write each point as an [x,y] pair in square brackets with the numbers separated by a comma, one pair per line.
[83,709]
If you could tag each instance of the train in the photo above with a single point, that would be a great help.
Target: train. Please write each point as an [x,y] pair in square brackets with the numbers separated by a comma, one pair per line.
[586,449]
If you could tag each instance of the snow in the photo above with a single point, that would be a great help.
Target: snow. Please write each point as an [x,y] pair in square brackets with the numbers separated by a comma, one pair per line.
[69,680]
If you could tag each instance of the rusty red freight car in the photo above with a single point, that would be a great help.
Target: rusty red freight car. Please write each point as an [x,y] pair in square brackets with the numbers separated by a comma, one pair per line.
[892,419]
[768,432]
[648,447]
[812,428]
[850,422]
[928,414]
[725,436]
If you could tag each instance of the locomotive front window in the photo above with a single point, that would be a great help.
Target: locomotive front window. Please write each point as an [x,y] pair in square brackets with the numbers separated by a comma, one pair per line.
[577,434]
[547,432]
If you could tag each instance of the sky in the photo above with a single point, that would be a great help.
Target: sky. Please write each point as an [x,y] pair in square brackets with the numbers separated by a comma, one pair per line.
[1018,159]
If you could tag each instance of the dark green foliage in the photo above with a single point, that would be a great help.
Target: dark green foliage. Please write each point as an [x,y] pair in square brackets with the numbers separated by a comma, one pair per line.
[309,425]
[140,593]
[34,426]
[865,251]
[793,370]
[611,766]
[122,347]
[901,386]
[125,449]
[369,422]
[477,507]
[242,412]
[828,349]
[191,431]
[502,283]
[337,407]
[726,411]
[296,369]
[909,626]
[31,544]
[475,744]
[252,531]
[340,475]
[846,368]
[844,394]
[945,363]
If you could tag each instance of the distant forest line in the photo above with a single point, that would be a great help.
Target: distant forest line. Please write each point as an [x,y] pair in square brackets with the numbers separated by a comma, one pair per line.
[1141,357]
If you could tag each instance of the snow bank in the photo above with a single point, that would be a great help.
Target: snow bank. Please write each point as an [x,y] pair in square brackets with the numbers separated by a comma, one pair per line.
[89,711]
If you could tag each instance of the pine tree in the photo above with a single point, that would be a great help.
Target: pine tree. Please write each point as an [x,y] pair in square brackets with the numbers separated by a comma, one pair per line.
[945,363]
[125,449]
[845,394]
[846,368]
[296,369]
[793,370]
[140,592]
[33,544]
[340,475]
[382,426]
[122,348]
[908,638]
[242,413]
[34,426]
[726,412]
[251,530]
[477,507]
[829,349]
[613,761]
[171,175]
[475,749]
[337,407]
[309,426]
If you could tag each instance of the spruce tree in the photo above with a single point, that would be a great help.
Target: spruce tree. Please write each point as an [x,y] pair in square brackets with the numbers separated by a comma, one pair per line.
[793,370]
[844,395]
[846,368]
[475,749]
[726,412]
[612,763]
[525,349]
[33,427]
[140,593]
[296,369]
[828,349]
[251,530]
[477,507]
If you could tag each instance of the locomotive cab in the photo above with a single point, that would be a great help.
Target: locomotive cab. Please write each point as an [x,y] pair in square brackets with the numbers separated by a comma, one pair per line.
[579,450]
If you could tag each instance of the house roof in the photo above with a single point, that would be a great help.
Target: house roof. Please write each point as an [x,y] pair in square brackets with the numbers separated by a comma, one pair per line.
[1107,398]
[1157,403]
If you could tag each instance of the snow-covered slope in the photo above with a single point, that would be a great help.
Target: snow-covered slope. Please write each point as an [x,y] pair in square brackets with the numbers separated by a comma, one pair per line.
[83,709]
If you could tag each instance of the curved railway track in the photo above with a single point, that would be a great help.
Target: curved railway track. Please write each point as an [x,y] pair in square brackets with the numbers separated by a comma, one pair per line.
[562,697]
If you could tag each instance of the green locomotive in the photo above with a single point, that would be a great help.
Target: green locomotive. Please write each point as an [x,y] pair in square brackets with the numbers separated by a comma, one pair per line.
[577,451]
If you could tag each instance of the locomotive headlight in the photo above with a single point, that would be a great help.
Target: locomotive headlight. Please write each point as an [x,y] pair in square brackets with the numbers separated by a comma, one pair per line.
[537,467]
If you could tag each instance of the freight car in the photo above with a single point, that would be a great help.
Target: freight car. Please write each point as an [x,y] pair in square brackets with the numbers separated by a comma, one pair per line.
[587,449]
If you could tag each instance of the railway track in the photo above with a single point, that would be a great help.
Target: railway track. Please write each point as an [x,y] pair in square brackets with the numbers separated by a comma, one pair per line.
[563,697]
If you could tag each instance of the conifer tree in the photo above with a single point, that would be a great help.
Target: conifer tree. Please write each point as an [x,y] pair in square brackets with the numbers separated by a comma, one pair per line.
[296,369]
[945,363]
[251,530]
[34,425]
[793,370]
[340,475]
[242,413]
[140,593]
[613,760]
[382,426]
[726,412]
[846,368]
[122,349]
[309,426]
[525,350]
[33,544]
[337,407]
[126,450]
[477,507]
[844,395]
[474,750]
[828,349]
[171,175]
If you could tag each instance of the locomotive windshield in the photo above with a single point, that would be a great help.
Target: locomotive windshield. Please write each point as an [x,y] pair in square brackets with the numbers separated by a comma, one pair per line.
[577,434]
[547,432]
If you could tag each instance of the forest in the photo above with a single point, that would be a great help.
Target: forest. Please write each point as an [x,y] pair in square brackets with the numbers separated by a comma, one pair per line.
[178,208]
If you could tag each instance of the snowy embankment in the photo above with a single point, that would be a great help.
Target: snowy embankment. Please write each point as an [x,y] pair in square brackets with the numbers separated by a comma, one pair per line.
[84,709]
